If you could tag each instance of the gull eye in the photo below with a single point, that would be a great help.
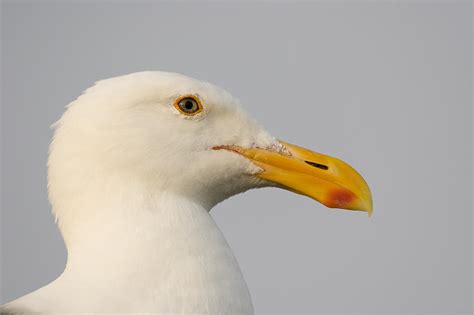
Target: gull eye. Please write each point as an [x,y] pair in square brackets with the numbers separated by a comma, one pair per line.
[188,105]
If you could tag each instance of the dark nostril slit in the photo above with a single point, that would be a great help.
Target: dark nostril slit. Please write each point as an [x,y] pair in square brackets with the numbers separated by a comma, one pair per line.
[321,166]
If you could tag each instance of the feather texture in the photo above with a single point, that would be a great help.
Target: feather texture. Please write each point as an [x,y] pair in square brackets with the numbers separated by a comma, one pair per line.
[131,181]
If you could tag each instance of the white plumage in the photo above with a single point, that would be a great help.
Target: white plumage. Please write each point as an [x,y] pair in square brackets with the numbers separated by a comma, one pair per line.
[132,180]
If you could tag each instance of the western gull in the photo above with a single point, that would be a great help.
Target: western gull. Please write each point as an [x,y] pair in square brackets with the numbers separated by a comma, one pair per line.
[135,166]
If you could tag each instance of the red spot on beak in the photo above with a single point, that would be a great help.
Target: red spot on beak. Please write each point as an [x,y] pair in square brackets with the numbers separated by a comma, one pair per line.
[340,198]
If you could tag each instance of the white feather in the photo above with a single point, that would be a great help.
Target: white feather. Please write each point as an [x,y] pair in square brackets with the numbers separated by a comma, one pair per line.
[131,182]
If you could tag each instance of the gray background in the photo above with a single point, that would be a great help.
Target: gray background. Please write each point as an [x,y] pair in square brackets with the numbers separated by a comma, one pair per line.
[386,86]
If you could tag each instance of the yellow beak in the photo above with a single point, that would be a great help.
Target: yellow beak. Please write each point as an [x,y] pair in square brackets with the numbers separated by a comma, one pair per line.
[328,180]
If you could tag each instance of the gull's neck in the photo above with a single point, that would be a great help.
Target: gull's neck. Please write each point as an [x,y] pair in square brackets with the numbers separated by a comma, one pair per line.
[122,233]
[164,254]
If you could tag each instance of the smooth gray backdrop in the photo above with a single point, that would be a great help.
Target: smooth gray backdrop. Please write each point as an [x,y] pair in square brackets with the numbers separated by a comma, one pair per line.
[385,86]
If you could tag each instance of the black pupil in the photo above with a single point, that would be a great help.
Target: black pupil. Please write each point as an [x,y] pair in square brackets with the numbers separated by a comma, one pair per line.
[188,105]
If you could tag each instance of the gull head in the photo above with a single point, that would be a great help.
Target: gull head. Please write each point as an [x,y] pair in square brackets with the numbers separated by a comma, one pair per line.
[155,132]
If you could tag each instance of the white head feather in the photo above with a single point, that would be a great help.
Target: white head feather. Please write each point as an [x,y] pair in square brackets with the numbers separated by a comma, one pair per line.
[131,180]
[123,135]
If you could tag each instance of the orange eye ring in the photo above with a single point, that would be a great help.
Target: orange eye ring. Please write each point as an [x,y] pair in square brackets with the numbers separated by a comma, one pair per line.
[188,105]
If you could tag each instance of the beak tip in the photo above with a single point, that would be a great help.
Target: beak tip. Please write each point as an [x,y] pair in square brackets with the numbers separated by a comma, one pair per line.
[368,208]
[346,199]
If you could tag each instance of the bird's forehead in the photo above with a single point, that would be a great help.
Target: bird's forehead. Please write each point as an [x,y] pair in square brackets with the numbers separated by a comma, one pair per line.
[163,86]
